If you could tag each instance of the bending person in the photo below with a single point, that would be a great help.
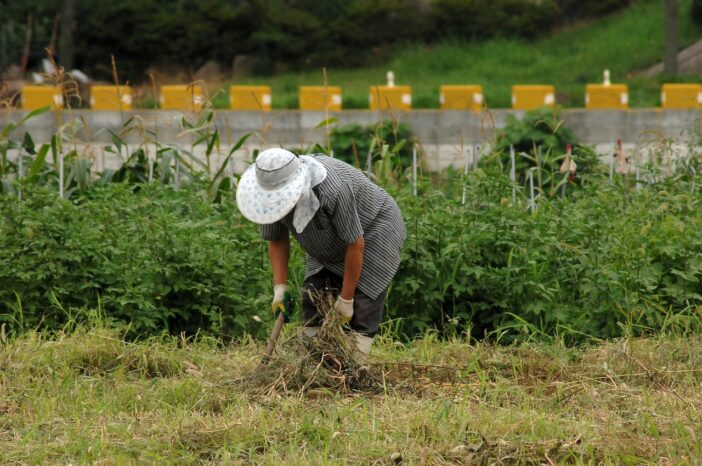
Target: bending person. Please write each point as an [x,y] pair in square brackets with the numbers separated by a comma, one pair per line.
[350,229]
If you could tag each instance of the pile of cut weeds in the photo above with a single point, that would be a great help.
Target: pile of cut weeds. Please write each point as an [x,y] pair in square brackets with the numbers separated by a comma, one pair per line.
[325,362]
[329,364]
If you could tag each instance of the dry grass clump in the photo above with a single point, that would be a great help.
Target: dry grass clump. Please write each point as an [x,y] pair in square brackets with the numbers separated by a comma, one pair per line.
[325,362]
[91,353]
[111,354]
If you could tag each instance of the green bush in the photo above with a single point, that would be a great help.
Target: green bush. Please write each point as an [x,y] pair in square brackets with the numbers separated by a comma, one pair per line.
[283,34]
[10,44]
[147,34]
[606,262]
[579,9]
[351,143]
[507,18]
[540,138]
[603,262]
[696,11]
[157,259]
[542,127]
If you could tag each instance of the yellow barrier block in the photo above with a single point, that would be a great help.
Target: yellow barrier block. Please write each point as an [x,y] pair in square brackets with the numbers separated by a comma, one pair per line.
[681,96]
[34,97]
[461,97]
[182,97]
[320,98]
[111,98]
[532,96]
[250,98]
[390,98]
[607,96]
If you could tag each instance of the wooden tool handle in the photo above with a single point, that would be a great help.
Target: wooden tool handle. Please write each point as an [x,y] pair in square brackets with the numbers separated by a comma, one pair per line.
[273,338]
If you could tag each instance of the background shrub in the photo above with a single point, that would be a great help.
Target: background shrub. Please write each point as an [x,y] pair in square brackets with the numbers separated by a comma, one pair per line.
[696,11]
[508,18]
[580,9]
[351,143]
[605,261]
[160,260]
[540,139]
[541,127]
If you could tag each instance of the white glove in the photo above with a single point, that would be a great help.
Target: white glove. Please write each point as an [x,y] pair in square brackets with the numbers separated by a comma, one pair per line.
[278,295]
[344,307]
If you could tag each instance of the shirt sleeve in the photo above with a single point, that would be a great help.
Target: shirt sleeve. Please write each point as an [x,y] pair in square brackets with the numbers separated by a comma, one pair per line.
[345,219]
[273,231]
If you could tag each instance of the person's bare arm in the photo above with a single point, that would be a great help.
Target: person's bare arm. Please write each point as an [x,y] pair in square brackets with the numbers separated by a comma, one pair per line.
[353,263]
[279,255]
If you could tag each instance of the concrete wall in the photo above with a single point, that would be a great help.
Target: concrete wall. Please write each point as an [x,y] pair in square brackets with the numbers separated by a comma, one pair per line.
[444,135]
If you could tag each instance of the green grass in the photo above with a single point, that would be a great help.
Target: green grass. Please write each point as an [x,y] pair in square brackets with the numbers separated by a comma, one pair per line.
[626,43]
[89,397]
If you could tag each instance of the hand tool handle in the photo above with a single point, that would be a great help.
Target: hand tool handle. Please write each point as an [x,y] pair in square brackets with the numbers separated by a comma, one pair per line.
[273,338]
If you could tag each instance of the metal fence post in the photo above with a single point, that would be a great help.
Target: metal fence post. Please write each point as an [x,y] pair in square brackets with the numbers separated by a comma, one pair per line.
[414,170]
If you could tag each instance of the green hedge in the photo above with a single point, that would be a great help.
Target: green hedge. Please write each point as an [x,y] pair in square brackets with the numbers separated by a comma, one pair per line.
[603,262]
[155,258]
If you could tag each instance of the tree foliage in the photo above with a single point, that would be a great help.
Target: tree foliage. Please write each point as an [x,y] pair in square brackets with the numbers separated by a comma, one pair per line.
[696,11]
[183,34]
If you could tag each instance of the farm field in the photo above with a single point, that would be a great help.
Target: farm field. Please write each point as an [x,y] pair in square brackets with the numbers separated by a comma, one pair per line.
[547,308]
[569,59]
[536,318]
[86,396]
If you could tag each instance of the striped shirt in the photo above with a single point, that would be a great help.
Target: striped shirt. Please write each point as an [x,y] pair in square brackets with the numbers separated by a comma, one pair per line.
[350,206]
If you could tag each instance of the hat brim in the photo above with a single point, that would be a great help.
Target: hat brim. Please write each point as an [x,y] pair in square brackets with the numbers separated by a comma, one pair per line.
[263,206]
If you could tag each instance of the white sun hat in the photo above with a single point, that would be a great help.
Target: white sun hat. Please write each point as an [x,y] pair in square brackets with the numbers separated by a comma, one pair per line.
[278,182]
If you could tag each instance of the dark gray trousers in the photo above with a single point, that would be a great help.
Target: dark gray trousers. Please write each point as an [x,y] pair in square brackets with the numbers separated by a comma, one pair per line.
[367,312]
